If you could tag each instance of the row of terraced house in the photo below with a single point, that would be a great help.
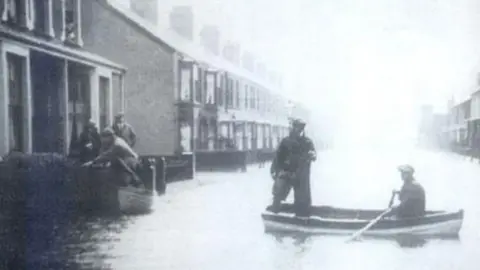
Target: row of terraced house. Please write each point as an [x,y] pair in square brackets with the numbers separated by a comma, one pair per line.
[66,61]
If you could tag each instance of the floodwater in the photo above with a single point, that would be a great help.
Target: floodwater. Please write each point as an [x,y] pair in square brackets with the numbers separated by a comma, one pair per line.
[214,221]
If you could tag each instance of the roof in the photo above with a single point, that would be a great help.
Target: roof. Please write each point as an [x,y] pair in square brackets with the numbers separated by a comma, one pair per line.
[184,46]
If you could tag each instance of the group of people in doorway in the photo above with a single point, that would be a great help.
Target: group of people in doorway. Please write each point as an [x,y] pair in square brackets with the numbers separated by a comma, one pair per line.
[290,169]
[113,145]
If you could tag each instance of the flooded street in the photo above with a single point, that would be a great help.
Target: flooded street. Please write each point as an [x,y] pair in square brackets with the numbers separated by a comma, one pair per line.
[214,222]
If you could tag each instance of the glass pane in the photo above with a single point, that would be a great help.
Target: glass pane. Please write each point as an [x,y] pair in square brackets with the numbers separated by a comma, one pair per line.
[185,89]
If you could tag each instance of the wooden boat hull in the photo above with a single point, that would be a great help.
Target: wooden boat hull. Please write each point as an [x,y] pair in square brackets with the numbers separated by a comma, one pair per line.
[134,201]
[330,220]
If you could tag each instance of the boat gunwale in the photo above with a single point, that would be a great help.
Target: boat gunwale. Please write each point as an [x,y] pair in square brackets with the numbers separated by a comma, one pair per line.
[419,230]
[436,214]
[316,221]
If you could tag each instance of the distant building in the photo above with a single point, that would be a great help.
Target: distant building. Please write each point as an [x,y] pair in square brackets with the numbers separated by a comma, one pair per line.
[457,123]
[431,130]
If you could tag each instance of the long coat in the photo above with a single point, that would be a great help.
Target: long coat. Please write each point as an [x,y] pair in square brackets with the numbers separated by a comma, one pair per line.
[293,160]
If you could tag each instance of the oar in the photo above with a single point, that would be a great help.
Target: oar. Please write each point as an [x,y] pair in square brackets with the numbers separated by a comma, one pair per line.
[373,222]
[369,225]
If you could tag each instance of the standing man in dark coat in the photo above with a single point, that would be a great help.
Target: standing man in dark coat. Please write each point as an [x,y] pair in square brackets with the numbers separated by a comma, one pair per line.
[124,130]
[291,168]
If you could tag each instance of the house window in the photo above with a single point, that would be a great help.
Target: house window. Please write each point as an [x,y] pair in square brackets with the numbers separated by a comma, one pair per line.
[104,89]
[198,86]
[237,94]
[252,98]
[19,12]
[185,137]
[185,88]
[246,96]
[72,21]
[257,99]
[15,105]
[229,93]
[41,14]
[259,136]
[219,88]
[210,81]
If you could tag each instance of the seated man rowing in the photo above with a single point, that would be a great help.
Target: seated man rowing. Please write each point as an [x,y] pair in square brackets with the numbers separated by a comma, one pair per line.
[124,161]
[411,196]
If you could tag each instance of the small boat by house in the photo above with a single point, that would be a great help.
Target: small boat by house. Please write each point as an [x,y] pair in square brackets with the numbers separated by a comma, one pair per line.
[133,200]
[331,220]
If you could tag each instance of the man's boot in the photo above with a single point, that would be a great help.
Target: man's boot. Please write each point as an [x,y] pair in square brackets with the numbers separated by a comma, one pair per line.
[276,206]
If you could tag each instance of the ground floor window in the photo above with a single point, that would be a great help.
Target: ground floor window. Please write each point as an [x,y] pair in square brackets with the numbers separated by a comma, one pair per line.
[185,136]
[16,65]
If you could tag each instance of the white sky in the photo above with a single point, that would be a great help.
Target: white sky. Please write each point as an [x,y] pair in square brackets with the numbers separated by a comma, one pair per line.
[365,62]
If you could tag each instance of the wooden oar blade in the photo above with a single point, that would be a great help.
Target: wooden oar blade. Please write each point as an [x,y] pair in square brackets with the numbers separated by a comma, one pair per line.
[357,234]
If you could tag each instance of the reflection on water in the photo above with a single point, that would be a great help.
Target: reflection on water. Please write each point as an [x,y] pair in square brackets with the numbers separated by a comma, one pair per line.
[217,225]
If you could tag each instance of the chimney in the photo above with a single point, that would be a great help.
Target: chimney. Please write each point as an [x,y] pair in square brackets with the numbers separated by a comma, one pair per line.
[181,21]
[271,77]
[248,61]
[210,37]
[231,52]
[260,69]
[147,9]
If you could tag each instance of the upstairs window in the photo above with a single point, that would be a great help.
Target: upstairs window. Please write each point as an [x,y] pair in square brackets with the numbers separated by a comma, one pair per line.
[252,98]
[72,24]
[246,97]
[229,93]
[237,94]
[19,12]
[210,87]
[198,86]
[220,90]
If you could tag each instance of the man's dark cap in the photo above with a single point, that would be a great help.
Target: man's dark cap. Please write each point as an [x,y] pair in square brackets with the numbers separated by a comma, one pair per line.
[298,123]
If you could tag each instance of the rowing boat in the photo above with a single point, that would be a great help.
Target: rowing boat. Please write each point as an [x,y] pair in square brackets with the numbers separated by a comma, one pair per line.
[331,220]
[134,200]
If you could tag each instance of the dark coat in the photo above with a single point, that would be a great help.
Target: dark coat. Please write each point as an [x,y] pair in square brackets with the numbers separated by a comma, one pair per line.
[92,137]
[293,158]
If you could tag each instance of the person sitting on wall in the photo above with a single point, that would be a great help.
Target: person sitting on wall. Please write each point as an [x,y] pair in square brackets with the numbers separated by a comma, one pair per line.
[124,130]
[89,142]
[124,161]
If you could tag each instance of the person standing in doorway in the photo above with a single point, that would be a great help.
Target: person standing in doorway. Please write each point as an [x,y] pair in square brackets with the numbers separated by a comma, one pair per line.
[124,130]
[90,142]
